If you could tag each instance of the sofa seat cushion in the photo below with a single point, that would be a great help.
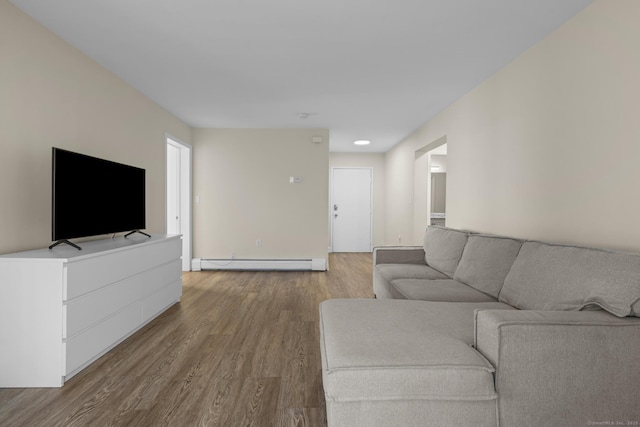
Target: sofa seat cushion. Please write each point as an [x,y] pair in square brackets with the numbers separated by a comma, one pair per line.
[443,248]
[384,274]
[486,261]
[556,277]
[392,272]
[439,290]
[398,350]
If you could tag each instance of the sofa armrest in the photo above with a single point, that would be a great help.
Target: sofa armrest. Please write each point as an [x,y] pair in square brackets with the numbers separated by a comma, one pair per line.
[398,255]
[562,367]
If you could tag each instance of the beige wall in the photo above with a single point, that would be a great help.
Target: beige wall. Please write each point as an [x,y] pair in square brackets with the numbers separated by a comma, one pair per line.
[548,147]
[375,161]
[241,177]
[399,168]
[53,95]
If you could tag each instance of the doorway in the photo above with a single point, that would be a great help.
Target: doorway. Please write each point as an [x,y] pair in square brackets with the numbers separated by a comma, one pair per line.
[427,163]
[438,175]
[351,209]
[178,195]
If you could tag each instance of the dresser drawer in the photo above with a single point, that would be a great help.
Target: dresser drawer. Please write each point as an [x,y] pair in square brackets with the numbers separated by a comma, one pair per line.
[84,311]
[87,275]
[161,299]
[87,345]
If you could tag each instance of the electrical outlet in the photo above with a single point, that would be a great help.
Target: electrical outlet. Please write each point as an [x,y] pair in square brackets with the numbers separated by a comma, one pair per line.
[233,255]
[258,243]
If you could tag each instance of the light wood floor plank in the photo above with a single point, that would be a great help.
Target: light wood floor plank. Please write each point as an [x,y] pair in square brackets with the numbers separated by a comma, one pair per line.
[240,349]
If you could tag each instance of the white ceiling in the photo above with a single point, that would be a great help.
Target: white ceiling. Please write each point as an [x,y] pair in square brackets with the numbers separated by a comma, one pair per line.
[365,69]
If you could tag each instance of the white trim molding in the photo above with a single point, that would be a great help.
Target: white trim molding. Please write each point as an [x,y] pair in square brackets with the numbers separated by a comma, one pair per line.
[315,264]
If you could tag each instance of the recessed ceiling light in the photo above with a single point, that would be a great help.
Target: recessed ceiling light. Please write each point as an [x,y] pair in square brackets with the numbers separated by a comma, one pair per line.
[362,142]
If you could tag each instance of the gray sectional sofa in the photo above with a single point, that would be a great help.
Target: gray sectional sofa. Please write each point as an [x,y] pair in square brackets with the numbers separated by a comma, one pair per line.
[479,330]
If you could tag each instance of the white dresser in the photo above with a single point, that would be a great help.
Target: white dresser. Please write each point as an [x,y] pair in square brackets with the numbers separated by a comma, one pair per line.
[62,309]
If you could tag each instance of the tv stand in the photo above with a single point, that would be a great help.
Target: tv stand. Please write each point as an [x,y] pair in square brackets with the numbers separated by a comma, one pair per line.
[136,231]
[65,241]
[63,309]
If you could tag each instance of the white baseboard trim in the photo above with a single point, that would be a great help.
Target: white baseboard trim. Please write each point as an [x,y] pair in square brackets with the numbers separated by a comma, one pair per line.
[316,264]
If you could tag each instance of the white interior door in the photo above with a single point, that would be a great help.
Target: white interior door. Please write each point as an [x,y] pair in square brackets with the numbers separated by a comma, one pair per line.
[178,209]
[173,189]
[351,210]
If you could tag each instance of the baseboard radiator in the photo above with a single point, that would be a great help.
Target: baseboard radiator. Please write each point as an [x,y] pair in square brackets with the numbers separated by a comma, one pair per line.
[315,264]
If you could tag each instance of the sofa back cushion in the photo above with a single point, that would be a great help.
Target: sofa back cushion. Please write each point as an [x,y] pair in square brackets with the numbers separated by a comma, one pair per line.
[485,262]
[554,277]
[635,309]
[443,248]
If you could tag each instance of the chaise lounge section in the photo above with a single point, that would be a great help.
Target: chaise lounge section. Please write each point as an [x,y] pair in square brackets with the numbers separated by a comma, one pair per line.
[479,330]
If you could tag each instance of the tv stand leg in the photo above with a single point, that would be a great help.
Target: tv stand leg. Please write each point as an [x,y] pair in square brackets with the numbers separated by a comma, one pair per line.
[136,231]
[65,241]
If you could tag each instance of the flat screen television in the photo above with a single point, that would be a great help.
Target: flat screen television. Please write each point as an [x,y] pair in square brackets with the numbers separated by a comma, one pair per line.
[92,196]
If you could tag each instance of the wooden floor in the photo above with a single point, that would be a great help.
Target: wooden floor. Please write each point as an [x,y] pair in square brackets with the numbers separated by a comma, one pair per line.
[240,349]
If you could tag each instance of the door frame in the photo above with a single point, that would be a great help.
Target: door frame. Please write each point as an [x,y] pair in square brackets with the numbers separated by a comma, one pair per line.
[370,169]
[186,163]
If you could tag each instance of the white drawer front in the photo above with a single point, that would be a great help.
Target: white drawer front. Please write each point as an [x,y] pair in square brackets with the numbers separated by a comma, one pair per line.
[161,299]
[85,346]
[90,274]
[171,272]
[85,311]
[88,309]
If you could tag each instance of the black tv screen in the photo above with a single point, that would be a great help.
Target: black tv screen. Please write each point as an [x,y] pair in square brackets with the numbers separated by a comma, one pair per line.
[93,196]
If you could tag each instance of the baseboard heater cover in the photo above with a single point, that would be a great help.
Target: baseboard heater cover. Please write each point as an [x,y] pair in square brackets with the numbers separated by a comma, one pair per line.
[315,264]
